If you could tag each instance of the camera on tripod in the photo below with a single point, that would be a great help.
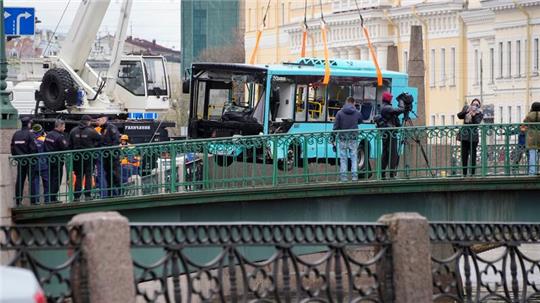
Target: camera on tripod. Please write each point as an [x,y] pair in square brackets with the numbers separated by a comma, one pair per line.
[405,101]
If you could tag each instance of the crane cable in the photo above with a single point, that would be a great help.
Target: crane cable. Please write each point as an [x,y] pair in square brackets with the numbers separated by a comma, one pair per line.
[305,29]
[371,50]
[326,78]
[259,34]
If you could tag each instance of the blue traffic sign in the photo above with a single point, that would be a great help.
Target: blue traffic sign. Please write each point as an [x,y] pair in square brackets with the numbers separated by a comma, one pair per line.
[19,21]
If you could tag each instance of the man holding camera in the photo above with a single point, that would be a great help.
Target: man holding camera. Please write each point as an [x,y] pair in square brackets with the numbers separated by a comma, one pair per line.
[468,135]
[389,119]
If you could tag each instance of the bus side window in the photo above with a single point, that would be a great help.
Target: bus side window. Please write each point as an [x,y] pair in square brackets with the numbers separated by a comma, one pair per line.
[316,102]
[336,98]
[200,99]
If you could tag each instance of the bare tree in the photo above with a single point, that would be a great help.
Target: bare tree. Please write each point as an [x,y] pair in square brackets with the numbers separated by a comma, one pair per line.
[233,52]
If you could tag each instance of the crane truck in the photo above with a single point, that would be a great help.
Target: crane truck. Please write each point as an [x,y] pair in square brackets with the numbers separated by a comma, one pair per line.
[133,91]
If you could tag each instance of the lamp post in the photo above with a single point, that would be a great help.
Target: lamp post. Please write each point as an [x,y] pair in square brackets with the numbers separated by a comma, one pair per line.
[8,113]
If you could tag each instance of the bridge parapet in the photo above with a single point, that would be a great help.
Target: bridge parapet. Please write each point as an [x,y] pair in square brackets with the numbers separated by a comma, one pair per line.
[274,161]
[239,262]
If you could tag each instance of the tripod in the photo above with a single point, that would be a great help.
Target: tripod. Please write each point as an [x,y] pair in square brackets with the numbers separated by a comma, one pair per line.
[405,142]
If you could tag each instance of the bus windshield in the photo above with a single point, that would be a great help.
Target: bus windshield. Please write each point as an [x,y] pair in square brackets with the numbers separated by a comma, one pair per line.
[231,100]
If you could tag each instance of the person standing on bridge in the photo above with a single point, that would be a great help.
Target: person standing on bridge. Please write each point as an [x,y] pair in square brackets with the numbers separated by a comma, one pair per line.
[55,141]
[348,117]
[82,137]
[110,136]
[468,135]
[533,137]
[22,143]
[389,119]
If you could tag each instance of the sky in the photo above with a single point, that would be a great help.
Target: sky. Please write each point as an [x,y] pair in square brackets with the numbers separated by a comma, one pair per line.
[150,19]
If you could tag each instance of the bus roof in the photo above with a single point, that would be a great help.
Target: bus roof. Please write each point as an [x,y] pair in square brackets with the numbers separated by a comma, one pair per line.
[305,66]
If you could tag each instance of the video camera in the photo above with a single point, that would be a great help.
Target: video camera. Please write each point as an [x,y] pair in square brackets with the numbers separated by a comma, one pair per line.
[405,101]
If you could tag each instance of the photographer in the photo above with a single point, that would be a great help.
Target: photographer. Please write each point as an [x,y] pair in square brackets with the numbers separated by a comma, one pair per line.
[389,119]
[468,135]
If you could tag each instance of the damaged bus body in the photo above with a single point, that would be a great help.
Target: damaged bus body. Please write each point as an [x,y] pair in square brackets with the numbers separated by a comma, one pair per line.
[234,100]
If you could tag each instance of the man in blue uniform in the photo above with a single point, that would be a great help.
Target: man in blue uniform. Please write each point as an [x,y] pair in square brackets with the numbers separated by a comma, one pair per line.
[22,143]
[55,141]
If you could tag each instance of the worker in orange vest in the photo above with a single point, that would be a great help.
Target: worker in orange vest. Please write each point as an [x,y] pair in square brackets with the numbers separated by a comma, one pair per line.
[130,162]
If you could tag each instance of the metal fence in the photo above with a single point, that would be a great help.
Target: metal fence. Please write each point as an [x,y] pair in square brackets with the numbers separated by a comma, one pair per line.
[272,161]
[52,252]
[263,262]
[275,262]
[486,262]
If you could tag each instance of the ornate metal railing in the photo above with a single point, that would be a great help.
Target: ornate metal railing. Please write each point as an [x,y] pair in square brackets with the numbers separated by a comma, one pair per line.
[272,161]
[51,252]
[275,262]
[483,262]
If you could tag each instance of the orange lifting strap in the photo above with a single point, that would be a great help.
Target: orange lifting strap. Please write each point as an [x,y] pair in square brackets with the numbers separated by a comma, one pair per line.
[259,34]
[326,78]
[371,50]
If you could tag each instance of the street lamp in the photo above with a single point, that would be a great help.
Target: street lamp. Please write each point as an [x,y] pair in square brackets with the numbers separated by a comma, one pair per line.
[8,113]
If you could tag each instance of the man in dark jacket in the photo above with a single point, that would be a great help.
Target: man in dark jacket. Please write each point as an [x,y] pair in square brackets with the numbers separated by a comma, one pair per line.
[348,118]
[82,137]
[533,137]
[110,137]
[55,141]
[390,118]
[22,143]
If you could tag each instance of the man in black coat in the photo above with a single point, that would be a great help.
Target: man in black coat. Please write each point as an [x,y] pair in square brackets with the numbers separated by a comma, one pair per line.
[348,118]
[390,117]
[82,137]
[55,141]
[22,143]
[110,137]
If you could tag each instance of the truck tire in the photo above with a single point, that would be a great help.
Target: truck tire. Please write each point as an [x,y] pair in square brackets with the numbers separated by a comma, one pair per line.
[58,89]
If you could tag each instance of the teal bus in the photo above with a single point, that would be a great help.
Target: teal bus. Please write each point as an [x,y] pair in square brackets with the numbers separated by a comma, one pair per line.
[232,100]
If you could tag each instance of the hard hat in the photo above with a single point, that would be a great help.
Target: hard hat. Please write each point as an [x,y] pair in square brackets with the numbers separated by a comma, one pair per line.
[124,137]
[37,128]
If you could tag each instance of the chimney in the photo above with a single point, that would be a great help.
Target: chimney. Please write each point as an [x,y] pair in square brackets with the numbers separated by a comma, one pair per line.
[154,42]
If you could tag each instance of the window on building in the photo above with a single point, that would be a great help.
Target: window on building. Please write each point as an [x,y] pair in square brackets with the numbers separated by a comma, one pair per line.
[491,65]
[518,113]
[405,61]
[433,119]
[453,120]
[509,59]
[453,66]
[509,114]
[518,58]
[500,114]
[432,68]
[443,67]
[443,120]
[501,56]
[476,68]
[249,19]
[536,55]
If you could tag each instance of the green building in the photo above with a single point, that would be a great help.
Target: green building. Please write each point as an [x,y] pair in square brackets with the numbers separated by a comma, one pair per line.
[209,24]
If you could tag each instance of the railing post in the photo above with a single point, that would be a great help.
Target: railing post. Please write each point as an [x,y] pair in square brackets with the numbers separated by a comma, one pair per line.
[174,172]
[484,154]
[411,257]
[69,177]
[507,163]
[107,254]
[305,162]
[274,161]
[378,154]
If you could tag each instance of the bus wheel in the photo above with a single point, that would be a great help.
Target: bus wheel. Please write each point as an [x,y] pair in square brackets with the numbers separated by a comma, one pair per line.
[293,158]
[364,168]
[224,161]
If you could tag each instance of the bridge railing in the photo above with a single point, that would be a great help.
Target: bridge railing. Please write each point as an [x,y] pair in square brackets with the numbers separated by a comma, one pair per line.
[273,161]
[288,261]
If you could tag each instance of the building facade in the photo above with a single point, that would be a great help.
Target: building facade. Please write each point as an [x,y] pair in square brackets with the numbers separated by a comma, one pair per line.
[451,41]
[208,24]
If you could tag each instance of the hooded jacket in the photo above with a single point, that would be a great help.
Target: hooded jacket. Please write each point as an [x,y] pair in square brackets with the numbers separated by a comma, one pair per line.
[83,136]
[533,132]
[347,118]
